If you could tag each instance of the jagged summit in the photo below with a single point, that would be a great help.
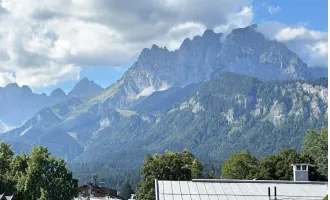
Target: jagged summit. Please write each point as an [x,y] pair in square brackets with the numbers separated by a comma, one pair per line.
[84,88]
[58,93]
[201,58]
[26,89]
[12,86]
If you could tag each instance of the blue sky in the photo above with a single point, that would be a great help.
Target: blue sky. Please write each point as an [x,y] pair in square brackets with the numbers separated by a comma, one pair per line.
[314,13]
[57,48]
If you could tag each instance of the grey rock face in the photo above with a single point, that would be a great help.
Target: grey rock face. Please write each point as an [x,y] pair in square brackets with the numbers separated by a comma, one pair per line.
[244,51]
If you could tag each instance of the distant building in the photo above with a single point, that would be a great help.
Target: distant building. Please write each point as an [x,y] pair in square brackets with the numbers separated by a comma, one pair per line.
[97,192]
[217,189]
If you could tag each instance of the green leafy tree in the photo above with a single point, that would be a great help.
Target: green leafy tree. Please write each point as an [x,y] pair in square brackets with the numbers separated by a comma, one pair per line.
[171,166]
[6,156]
[315,145]
[37,176]
[241,165]
[267,168]
[126,190]
[286,158]
[279,166]
[16,175]
[47,177]
[44,194]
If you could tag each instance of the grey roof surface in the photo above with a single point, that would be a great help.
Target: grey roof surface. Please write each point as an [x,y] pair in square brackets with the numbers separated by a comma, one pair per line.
[9,197]
[238,190]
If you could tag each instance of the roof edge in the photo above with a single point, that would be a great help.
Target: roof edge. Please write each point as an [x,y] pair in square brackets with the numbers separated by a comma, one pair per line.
[259,181]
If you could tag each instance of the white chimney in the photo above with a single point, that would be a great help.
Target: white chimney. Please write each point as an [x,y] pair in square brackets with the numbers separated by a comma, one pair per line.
[300,172]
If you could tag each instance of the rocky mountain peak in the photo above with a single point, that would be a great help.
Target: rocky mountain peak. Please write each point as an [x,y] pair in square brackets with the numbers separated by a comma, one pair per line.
[12,86]
[244,50]
[84,88]
[58,93]
[26,89]
[210,35]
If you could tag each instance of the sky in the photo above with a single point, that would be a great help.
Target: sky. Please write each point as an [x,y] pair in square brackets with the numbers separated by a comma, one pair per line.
[49,44]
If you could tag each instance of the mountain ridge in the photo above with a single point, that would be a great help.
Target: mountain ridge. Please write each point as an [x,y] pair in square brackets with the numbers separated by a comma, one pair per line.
[14,112]
[244,50]
[230,102]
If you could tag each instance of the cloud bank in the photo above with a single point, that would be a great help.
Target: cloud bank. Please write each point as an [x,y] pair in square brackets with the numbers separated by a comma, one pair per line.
[47,42]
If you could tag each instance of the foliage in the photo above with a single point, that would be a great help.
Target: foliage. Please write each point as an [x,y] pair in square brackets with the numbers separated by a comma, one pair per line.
[6,156]
[126,190]
[273,167]
[325,198]
[315,145]
[171,166]
[37,176]
[240,166]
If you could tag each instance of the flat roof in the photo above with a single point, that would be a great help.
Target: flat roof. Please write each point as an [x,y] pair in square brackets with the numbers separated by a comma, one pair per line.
[217,189]
[259,181]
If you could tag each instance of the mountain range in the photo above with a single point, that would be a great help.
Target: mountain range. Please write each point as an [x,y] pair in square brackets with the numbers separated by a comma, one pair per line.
[215,95]
[18,104]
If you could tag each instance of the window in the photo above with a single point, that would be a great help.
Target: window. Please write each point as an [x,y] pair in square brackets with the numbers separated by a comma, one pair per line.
[298,167]
[304,167]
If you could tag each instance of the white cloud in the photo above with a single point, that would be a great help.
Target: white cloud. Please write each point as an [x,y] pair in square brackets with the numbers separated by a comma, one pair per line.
[273,9]
[46,42]
[310,45]
[240,19]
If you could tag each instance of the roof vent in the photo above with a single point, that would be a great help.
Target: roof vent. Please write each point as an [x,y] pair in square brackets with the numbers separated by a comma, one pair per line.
[300,172]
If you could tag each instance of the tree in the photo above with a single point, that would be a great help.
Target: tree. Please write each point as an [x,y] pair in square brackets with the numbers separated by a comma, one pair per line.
[50,174]
[286,158]
[267,168]
[37,176]
[315,145]
[44,195]
[126,190]
[171,166]
[241,165]
[278,166]
[6,156]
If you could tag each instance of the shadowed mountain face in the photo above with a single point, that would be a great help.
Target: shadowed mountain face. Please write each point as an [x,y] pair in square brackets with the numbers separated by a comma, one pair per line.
[18,104]
[227,114]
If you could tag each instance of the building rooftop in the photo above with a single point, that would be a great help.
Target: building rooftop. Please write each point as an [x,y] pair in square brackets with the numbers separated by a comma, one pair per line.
[209,189]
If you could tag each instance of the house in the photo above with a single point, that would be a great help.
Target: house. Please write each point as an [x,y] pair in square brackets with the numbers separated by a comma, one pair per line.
[217,189]
[96,191]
